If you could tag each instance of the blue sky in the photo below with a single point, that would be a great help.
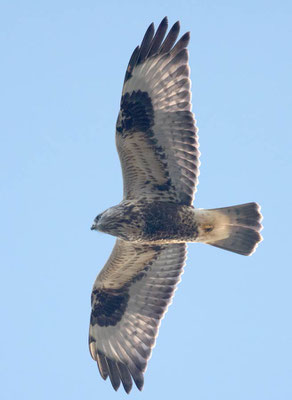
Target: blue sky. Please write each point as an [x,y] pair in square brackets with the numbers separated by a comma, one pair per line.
[228,334]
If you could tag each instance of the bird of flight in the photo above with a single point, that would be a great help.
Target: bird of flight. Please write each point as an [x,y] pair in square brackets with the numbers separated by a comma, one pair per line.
[157,142]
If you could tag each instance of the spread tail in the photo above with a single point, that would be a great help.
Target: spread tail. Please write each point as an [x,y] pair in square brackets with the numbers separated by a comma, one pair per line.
[244,224]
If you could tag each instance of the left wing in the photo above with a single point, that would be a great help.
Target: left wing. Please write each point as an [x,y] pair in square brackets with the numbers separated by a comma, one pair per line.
[156,135]
[129,298]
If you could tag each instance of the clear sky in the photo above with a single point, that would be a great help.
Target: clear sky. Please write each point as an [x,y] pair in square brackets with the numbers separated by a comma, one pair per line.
[228,333]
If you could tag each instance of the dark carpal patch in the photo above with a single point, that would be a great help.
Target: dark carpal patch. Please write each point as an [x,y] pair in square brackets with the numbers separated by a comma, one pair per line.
[108,306]
[136,113]
[163,187]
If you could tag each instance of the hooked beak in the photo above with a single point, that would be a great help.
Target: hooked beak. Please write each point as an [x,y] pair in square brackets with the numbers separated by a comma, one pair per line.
[93,226]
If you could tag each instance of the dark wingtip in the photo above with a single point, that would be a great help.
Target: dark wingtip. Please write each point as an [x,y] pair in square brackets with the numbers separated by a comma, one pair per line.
[139,381]
[113,374]
[181,44]
[127,389]
[146,43]
[176,26]
[187,36]
[125,377]
[155,43]
[102,365]
[159,36]
[150,30]
[170,38]
[164,21]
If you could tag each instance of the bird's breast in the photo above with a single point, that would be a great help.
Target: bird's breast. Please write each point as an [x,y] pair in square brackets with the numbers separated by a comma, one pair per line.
[159,222]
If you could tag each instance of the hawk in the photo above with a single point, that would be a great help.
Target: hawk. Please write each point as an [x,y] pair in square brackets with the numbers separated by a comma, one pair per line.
[157,142]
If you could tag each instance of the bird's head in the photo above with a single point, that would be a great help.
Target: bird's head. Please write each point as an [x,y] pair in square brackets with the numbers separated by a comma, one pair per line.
[106,221]
[95,225]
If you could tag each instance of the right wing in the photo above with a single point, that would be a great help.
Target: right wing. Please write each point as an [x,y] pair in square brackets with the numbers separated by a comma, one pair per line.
[129,298]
